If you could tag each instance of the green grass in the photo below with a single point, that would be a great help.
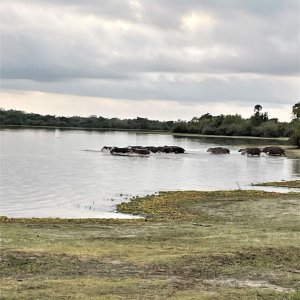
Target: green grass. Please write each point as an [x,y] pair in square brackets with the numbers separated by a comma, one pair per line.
[191,245]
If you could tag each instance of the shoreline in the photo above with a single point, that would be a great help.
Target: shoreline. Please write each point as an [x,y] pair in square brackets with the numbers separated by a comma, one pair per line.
[279,187]
[189,245]
[289,186]
[167,132]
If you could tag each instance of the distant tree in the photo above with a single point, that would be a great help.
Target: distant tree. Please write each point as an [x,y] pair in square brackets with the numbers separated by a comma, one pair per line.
[295,124]
[195,120]
[180,126]
[258,117]
[206,116]
[296,110]
[257,108]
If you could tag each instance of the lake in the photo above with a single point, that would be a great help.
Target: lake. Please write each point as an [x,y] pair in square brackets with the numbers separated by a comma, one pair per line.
[46,173]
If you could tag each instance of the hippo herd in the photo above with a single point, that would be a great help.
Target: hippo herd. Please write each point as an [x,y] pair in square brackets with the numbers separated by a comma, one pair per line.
[147,150]
[271,150]
[141,150]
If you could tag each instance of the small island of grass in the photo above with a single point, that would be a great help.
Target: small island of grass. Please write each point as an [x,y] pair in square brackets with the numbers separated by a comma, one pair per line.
[287,184]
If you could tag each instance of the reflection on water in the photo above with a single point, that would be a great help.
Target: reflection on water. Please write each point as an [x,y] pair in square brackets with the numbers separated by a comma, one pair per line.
[234,141]
[46,173]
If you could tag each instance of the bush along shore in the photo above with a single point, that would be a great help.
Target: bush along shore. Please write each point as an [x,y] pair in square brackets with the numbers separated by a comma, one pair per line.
[188,245]
[258,125]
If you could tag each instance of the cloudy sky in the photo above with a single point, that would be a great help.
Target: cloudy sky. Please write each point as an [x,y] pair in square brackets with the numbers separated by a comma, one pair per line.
[161,59]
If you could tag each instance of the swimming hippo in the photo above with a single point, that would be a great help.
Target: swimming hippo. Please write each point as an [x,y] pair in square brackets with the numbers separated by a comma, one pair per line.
[106,148]
[250,151]
[274,151]
[218,150]
[177,149]
[144,150]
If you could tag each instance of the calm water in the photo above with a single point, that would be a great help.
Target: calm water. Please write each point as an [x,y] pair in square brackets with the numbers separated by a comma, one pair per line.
[45,172]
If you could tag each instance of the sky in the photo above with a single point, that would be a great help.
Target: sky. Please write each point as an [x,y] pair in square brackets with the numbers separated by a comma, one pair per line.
[160,59]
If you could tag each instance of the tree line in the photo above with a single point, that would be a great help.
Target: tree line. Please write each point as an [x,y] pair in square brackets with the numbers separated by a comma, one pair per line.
[258,125]
[233,125]
[17,117]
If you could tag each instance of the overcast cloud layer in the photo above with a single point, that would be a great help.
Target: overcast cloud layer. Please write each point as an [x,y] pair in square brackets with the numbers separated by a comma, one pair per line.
[197,52]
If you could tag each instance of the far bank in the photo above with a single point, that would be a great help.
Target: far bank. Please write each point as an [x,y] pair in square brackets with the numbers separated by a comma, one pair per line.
[283,140]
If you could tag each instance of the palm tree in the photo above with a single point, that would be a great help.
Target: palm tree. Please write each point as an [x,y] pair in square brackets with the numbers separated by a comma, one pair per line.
[296,110]
[257,108]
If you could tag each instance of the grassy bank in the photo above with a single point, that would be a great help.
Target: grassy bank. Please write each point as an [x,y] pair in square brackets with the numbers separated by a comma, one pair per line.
[191,245]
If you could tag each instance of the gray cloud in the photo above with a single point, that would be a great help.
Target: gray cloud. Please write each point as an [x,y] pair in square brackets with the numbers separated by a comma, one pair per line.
[171,49]
[188,89]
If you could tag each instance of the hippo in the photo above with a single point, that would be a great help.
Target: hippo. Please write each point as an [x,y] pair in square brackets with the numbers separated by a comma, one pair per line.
[166,149]
[267,148]
[250,151]
[177,149]
[218,150]
[129,150]
[274,151]
[106,148]
[140,150]
[243,151]
[144,150]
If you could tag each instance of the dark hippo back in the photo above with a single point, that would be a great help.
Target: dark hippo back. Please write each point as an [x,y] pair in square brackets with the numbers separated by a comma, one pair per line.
[274,151]
[253,151]
[218,150]
[177,149]
[120,150]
